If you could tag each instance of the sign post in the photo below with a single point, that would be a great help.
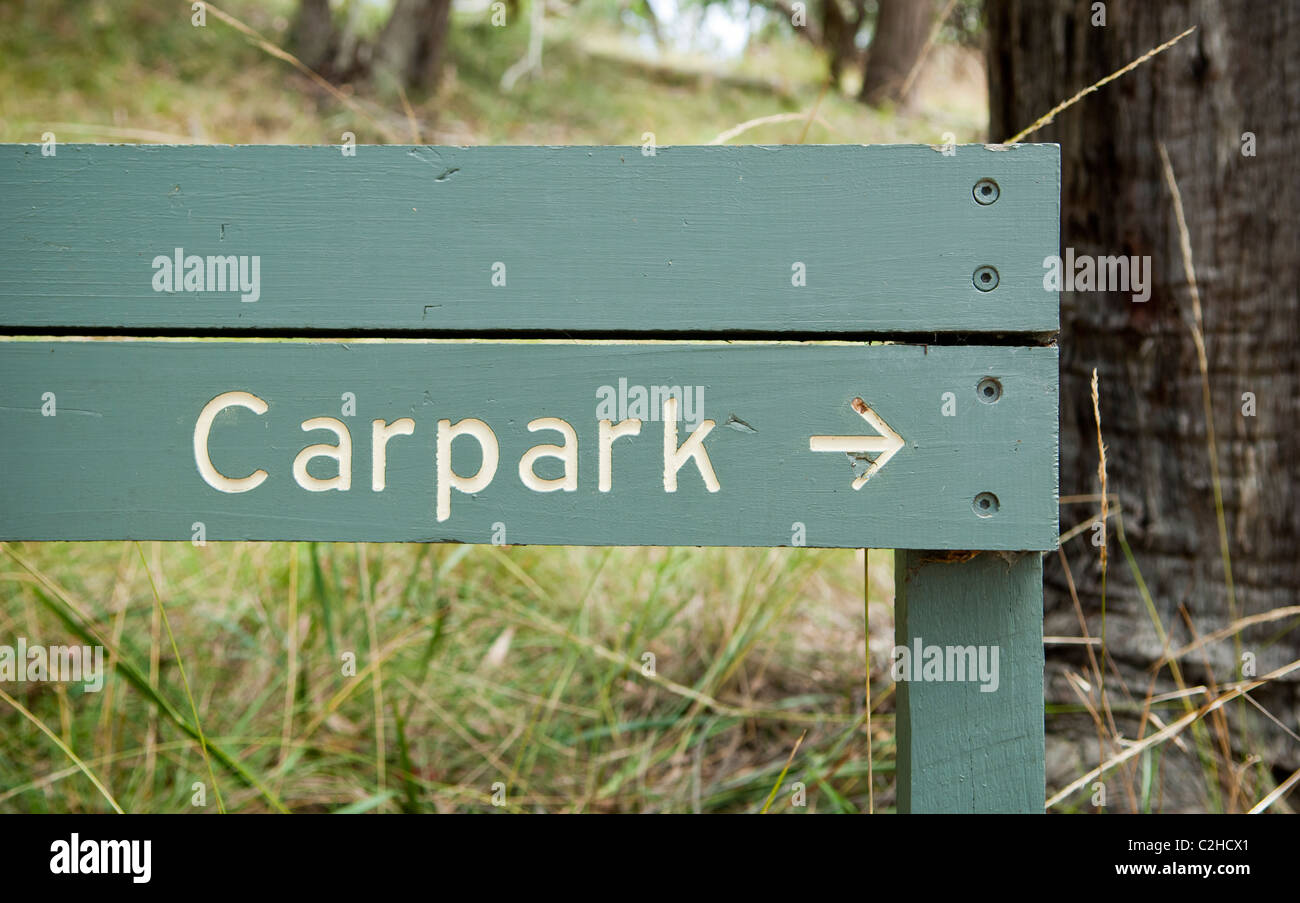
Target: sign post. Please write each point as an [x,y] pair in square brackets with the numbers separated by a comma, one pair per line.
[822,346]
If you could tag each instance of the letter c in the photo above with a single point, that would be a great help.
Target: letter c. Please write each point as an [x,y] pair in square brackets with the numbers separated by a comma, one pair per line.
[203,426]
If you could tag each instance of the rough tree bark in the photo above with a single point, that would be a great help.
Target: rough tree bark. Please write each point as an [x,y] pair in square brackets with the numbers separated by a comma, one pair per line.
[902,27]
[1236,74]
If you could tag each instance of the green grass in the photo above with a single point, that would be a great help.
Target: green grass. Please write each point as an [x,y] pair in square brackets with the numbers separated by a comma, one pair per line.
[522,666]
[140,72]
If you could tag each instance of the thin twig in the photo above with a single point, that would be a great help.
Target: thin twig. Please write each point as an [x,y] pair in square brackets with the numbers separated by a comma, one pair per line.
[1235,627]
[302,67]
[1271,717]
[866,613]
[1197,328]
[376,676]
[1096,670]
[1218,721]
[1083,527]
[781,777]
[812,114]
[925,51]
[291,682]
[766,120]
[1105,505]
[1276,794]
[82,766]
[1052,113]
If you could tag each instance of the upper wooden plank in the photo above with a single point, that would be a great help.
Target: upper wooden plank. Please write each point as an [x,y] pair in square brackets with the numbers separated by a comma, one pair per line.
[691,240]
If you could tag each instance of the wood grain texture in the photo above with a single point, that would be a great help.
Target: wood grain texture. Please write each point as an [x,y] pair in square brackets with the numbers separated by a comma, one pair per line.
[117,460]
[961,749]
[691,240]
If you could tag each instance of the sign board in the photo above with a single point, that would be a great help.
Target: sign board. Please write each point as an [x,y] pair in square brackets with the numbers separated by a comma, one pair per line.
[753,444]
[505,240]
[759,346]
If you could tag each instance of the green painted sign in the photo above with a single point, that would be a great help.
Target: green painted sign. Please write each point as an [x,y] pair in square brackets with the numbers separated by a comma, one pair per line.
[468,345]
[689,240]
[574,443]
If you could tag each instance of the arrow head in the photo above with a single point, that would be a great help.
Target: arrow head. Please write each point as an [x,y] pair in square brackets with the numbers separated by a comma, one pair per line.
[885,445]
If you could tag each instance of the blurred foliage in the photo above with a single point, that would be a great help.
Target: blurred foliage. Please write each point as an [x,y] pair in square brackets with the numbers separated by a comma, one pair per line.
[99,70]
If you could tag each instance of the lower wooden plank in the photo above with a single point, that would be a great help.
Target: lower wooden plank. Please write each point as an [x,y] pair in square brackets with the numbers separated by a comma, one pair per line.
[178,440]
[968,661]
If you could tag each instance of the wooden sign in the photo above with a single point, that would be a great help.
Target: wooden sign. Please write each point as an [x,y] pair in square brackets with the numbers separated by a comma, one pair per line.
[760,444]
[496,240]
[760,346]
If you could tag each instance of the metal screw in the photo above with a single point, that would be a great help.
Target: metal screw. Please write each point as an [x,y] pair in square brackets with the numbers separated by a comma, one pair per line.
[985,504]
[989,390]
[986,192]
[985,279]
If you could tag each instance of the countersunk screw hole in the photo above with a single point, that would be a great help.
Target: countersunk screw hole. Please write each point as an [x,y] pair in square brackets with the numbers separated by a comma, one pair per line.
[985,504]
[986,192]
[989,390]
[985,278]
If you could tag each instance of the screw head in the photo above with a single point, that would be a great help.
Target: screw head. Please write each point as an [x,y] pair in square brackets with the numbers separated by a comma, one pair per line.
[985,504]
[986,192]
[989,390]
[985,278]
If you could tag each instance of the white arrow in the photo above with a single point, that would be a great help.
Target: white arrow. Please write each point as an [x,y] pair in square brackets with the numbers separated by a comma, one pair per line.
[885,446]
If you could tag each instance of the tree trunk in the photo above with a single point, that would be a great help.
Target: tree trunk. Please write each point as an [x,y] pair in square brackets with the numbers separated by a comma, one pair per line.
[1236,74]
[312,35]
[840,32]
[902,28]
[409,49]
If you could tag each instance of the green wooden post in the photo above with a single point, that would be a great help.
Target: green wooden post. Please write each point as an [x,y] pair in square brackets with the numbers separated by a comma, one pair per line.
[972,745]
